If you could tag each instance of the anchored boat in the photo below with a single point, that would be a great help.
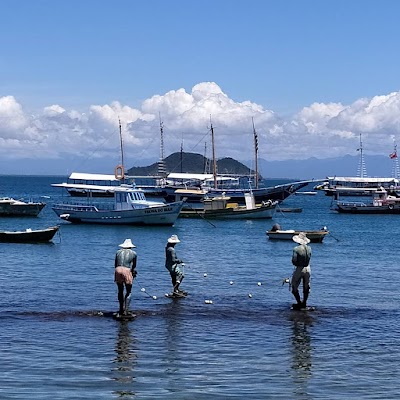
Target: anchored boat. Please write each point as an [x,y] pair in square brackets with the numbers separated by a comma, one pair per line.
[316,236]
[381,203]
[128,206]
[29,235]
[10,207]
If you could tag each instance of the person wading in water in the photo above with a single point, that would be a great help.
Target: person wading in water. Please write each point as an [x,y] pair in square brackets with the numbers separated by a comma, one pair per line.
[301,260]
[125,272]
[172,265]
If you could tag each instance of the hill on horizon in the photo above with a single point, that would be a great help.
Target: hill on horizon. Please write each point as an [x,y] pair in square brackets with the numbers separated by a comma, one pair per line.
[193,163]
[311,168]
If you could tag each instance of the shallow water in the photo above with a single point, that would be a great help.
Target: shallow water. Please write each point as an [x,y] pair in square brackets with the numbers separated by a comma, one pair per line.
[58,338]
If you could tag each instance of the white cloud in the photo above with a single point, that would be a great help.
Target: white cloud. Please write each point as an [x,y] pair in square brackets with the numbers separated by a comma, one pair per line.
[319,130]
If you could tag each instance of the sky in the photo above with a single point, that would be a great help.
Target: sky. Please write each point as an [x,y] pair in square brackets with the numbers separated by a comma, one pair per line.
[312,76]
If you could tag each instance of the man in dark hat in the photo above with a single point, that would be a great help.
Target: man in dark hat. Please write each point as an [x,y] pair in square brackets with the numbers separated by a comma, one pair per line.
[301,260]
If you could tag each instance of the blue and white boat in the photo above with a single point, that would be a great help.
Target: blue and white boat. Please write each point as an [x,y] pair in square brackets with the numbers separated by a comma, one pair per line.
[128,206]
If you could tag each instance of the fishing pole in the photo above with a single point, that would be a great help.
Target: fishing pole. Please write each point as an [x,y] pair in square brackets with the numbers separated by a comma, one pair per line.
[334,237]
[201,216]
[325,229]
[143,290]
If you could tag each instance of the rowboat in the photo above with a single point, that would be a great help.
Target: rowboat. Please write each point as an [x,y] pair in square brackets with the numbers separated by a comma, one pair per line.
[29,235]
[221,208]
[316,236]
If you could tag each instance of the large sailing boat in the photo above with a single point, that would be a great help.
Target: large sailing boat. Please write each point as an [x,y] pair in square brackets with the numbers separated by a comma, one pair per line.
[260,194]
[195,187]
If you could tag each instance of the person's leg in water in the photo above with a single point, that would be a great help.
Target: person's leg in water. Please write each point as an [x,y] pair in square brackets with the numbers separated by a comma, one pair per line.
[127,299]
[296,278]
[121,298]
[173,280]
[306,286]
[306,292]
[178,282]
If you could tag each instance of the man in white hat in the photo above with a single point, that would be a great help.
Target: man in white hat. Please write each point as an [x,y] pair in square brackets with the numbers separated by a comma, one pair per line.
[172,265]
[125,272]
[301,260]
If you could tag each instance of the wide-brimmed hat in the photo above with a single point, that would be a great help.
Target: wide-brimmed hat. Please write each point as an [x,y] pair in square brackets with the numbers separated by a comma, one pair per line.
[301,238]
[127,244]
[173,239]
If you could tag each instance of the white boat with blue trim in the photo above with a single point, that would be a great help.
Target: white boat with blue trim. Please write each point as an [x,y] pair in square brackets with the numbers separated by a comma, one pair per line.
[128,206]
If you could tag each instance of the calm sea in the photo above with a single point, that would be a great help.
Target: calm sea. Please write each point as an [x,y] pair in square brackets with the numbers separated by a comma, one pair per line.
[59,341]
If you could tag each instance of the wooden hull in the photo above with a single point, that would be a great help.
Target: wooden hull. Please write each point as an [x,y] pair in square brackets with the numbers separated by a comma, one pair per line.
[160,215]
[20,209]
[29,235]
[314,236]
[241,213]
[267,213]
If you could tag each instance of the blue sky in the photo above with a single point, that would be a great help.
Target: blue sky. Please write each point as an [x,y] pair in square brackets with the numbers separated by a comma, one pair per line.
[315,73]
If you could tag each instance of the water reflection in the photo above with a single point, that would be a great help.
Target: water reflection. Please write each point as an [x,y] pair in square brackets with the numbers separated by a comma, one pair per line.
[125,361]
[174,340]
[301,356]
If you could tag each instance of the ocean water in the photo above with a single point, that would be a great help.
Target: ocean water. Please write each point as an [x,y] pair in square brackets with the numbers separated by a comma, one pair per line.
[58,339]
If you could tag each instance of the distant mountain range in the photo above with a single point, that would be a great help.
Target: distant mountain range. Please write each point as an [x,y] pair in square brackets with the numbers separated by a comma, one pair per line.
[314,168]
[311,168]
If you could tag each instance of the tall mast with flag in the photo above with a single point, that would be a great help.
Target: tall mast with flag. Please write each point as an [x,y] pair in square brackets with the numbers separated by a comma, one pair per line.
[362,170]
[395,167]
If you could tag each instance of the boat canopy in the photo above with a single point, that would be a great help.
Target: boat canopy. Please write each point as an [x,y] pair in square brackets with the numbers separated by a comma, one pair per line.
[354,179]
[188,176]
[122,188]
[92,177]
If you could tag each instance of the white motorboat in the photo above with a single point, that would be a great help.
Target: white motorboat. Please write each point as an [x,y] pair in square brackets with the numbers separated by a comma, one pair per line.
[128,206]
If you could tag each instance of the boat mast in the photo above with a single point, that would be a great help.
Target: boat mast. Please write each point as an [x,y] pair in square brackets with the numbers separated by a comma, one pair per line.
[122,149]
[205,163]
[162,170]
[255,154]
[393,156]
[362,170]
[182,156]
[213,155]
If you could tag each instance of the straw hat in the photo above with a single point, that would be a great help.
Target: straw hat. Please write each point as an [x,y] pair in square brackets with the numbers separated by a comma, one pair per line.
[301,238]
[174,239]
[127,244]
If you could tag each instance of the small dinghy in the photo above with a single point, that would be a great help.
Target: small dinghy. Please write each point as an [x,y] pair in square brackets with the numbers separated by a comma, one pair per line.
[276,233]
[29,235]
